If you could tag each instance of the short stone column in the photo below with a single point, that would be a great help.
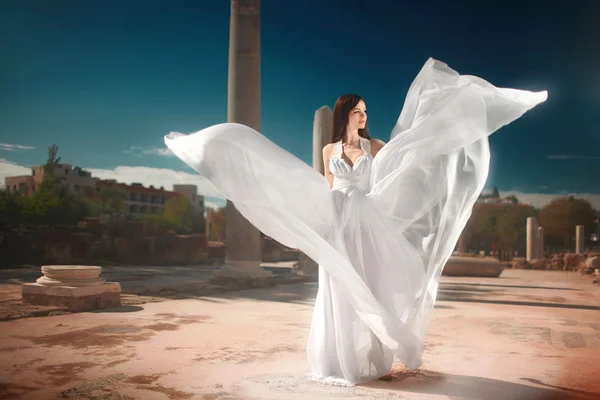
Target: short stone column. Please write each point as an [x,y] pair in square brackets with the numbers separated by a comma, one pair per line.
[76,287]
[461,243]
[322,129]
[306,268]
[532,233]
[579,244]
[540,243]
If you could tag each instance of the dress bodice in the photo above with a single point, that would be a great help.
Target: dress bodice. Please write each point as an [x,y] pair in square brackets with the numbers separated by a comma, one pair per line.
[351,176]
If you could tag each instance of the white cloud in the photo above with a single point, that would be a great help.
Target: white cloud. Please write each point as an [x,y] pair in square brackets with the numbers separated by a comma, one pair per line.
[8,168]
[570,157]
[157,177]
[13,147]
[145,151]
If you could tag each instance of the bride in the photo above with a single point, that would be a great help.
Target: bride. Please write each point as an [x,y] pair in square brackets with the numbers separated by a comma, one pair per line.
[385,220]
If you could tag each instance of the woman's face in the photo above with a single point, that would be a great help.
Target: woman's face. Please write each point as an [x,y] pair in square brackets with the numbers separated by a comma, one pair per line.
[358,116]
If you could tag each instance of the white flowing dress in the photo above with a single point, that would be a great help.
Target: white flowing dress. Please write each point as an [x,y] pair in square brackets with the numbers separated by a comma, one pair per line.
[383,233]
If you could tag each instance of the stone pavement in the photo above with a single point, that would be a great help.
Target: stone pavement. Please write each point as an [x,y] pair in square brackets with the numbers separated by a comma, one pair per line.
[526,335]
[139,285]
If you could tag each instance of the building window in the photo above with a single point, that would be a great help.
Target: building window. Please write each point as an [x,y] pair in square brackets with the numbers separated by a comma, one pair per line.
[66,172]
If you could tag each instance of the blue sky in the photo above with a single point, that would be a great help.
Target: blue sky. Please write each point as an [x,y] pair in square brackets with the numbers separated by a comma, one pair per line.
[107,81]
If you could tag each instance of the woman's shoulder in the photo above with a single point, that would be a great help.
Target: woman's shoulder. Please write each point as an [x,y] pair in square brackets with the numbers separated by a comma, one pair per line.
[376,145]
[328,149]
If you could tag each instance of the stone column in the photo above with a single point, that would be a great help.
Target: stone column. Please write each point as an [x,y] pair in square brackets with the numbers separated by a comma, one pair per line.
[322,127]
[540,243]
[243,253]
[461,243]
[579,239]
[532,233]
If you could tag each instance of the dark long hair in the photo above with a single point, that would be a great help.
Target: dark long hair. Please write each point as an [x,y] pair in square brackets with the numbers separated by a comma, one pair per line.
[341,112]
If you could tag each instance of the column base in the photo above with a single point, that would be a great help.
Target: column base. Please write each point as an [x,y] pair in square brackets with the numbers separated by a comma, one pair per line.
[242,275]
[84,298]
[306,268]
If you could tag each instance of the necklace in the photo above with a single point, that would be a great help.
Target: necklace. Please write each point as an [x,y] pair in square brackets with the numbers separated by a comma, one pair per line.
[346,145]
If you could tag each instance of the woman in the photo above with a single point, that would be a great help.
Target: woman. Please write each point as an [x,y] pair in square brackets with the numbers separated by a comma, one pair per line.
[384,221]
[347,161]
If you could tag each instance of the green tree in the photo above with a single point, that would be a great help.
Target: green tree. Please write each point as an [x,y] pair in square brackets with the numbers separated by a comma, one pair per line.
[52,162]
[480,230]
[495,194]
[512,227]
[11,207]
[217,218]
[178,212]
[504,224]
[113,200]
[53,203]
[107,200]
[560,217]
[513,199]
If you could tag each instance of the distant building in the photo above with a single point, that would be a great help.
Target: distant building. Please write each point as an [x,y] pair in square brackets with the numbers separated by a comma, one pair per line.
[75,178]
[140,200]
[22,184]
[190,192]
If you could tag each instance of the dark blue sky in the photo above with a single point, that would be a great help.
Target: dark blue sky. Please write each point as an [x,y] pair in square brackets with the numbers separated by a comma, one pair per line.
[99,78]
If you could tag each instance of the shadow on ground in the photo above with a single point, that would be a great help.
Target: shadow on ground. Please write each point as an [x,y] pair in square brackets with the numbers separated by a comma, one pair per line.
[477,388]
[305,293]
[287,290]
[476,293]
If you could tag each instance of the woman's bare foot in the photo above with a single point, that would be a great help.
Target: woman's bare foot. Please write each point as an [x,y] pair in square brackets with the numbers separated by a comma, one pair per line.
[386,377]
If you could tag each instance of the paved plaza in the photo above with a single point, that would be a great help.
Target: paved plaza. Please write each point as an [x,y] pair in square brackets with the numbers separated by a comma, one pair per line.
[526,335]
